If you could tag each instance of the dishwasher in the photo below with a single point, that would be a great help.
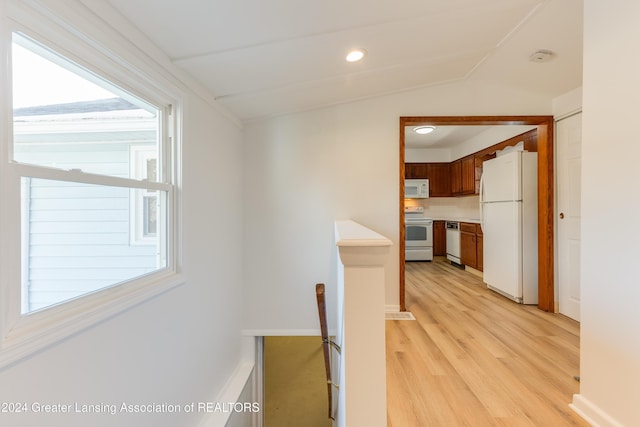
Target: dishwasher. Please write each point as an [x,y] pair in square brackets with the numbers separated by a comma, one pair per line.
[453,241]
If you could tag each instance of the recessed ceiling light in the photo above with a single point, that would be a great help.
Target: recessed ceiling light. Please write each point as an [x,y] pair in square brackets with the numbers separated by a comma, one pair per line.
[356,55]
[423,130]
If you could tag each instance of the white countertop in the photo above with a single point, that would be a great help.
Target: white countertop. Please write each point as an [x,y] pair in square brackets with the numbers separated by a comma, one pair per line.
[458,219]
[350,233]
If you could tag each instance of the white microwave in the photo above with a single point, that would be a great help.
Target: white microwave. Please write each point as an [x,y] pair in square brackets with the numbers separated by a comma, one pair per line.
[416,188]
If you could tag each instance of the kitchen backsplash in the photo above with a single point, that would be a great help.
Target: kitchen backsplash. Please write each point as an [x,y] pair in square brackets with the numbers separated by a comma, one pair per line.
[448,207]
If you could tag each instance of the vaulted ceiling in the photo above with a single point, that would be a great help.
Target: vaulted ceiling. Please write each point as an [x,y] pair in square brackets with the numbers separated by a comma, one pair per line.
[268,57]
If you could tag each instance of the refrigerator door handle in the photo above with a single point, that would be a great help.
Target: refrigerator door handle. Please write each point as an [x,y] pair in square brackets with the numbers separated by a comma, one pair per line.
[481,191]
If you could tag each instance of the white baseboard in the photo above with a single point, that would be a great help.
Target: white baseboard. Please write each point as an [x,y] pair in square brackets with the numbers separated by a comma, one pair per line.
[283,332]
[231,392]
[391,308]
[245,386]
[592,413]
[399,315]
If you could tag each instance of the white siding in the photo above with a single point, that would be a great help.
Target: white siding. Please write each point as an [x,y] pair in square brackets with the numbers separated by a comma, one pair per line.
[78,234]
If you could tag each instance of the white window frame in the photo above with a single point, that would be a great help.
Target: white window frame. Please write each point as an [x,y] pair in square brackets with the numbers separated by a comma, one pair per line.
[22,335]
[138,155]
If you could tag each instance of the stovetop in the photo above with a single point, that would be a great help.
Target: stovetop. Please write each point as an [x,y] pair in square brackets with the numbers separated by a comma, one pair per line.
[415,214]
[414,210]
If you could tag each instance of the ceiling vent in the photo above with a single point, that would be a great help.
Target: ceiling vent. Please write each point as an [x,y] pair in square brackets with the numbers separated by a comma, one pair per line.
[541,56]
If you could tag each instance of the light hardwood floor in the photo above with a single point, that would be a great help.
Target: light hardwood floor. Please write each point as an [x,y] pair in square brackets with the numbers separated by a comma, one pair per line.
[474,358]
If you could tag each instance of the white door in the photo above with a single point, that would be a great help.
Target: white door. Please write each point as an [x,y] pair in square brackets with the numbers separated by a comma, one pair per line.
[502,247]
[569,165]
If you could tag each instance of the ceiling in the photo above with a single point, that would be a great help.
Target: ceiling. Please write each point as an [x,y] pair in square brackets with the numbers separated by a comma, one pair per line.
[449,136]
[268,57]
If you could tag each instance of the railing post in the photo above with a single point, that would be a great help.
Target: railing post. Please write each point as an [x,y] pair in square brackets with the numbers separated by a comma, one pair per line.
[361,330]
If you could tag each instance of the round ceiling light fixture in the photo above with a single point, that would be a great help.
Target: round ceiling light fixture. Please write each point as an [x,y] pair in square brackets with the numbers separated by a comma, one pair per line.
[356,55]
[423,130]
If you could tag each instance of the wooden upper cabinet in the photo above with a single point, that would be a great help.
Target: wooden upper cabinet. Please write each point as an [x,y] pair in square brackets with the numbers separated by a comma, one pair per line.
[439,179]
[468,174]
[456,177]
[438,174]
[416,170]
[463,176]
[478,173]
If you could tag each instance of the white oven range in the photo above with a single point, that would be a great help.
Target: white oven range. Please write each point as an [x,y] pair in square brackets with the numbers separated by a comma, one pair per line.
[418,235]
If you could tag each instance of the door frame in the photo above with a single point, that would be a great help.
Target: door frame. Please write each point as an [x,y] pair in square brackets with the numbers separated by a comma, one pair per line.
[546,257]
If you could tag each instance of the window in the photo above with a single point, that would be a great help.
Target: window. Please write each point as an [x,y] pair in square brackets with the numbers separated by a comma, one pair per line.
[144,208]
[90,170]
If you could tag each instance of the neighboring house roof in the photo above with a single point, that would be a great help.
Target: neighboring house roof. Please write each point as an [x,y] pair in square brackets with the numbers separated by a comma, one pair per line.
[102,120]
[98,105]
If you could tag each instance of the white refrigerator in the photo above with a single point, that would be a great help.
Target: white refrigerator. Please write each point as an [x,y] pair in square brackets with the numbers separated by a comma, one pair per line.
[509,220]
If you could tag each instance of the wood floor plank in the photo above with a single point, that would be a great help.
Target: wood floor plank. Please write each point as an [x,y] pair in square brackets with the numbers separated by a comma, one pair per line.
[417,341]
[474,358]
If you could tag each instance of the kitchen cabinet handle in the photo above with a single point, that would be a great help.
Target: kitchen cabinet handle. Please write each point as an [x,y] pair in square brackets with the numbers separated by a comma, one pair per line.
[561,215]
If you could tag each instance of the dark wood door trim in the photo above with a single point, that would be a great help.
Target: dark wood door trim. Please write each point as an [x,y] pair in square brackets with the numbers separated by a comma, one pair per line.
[546,266]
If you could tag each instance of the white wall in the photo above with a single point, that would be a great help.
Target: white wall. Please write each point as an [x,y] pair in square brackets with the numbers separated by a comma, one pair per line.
[179,347]
[427,155]
[305,170]
[610,348]
[568,103]
[465,207]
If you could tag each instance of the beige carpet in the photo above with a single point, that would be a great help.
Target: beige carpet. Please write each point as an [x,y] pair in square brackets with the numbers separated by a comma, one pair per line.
[295,383]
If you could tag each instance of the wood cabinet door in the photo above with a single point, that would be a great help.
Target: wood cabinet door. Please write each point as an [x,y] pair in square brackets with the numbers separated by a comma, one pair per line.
[468,175]
[439,179]
[456,177]
[416,170]
[468,249]
[478,173]
[479,249]
[439,238]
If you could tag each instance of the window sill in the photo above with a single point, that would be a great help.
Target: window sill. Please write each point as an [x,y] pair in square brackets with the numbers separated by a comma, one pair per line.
[45,328]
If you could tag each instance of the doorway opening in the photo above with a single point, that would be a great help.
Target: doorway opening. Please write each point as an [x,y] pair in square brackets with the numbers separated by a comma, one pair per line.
[545,127]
